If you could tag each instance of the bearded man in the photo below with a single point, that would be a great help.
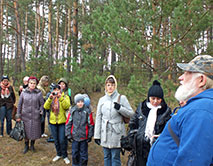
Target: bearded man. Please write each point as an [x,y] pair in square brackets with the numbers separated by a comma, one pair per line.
[187,138]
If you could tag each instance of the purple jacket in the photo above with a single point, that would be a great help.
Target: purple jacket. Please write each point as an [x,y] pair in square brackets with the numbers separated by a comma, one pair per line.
[30,108]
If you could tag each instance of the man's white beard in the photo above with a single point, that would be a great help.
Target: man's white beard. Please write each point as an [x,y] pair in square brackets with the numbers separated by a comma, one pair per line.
[186,91]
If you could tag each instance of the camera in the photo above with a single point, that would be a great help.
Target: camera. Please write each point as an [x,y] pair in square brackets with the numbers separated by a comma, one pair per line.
[54,93]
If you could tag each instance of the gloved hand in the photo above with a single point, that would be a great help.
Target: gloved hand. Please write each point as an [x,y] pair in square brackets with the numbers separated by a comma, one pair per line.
[89,140]
[117,106]
[98,141]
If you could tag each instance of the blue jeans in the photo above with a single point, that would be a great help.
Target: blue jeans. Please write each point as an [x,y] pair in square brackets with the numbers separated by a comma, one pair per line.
[58,133]
[112,157]
[6,113]
[79,153]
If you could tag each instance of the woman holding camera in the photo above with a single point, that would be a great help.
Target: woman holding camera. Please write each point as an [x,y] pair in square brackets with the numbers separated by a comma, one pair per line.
[150,118]
[58,103]
[30,109]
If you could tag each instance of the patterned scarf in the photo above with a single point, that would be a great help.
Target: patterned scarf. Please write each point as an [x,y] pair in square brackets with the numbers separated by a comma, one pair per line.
[5,90]
[55,105]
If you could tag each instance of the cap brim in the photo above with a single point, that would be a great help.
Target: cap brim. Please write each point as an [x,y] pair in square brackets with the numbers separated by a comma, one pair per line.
[187,67]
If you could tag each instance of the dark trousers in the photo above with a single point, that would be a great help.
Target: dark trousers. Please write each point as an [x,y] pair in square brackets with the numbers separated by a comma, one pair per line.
[6,113]
[58,133]
[43,122]
[141,161]
[79,153]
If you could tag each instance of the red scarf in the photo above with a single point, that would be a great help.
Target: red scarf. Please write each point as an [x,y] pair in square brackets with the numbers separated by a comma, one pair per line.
[55,105]
[5,89]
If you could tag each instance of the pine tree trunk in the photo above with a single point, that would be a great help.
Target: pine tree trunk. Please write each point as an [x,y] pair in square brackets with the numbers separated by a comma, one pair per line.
[57,31]
[25,35]
[50,32]
[65,35]
[75,29]
[19,35]
[1,38]
[69,41]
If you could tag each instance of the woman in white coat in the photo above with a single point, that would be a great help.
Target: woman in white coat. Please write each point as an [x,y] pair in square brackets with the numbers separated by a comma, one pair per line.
[109,126]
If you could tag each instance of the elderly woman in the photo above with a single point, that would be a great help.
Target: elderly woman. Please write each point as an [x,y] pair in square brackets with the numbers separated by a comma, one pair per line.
[150,118]
[30,108]
[109,126]
[25,85]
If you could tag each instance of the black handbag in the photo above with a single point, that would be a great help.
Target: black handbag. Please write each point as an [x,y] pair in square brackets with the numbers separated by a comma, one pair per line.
[18,132]
[128,142]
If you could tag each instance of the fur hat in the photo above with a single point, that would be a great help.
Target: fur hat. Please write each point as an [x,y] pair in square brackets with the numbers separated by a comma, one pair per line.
[155,90]
[78,97]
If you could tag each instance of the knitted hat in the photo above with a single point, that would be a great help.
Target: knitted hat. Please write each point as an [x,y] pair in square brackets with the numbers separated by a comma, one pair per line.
[78,97]
[5,77]
[86,100]
[26,78]
[155,90]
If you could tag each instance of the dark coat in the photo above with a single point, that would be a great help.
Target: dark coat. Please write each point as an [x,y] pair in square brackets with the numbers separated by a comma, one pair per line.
[10,101]
[138,121]
[30,108]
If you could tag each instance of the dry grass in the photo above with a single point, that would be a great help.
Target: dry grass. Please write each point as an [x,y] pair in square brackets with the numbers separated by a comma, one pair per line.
[11,150]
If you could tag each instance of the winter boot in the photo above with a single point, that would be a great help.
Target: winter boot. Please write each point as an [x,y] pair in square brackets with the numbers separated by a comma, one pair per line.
[26,148]
[32,145]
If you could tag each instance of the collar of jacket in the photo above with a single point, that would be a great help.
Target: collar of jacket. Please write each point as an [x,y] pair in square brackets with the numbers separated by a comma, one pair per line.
[33,91]
[113,95]
[145,110]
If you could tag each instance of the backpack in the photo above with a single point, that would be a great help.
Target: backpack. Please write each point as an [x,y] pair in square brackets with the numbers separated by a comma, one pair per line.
[18,132]
[128,142]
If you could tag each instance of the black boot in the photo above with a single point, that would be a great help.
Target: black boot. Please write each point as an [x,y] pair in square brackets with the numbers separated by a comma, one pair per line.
[84,162]
[26,148]
[32,145]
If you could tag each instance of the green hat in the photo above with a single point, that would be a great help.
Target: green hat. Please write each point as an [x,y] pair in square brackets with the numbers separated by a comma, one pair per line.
[200,64]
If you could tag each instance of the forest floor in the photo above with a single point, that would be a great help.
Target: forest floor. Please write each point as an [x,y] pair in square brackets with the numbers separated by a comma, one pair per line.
[11,150]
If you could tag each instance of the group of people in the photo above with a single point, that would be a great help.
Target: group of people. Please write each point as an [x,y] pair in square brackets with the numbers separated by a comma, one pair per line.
[163,138]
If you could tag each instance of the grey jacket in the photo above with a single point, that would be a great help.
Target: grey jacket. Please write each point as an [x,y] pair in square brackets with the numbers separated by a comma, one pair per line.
[80,124]
[30,107]
[109,125]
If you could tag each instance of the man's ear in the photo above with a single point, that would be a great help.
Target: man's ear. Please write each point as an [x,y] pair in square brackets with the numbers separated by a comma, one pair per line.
[202,81]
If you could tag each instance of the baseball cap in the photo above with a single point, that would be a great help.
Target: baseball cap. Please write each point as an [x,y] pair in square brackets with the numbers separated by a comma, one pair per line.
[200,64]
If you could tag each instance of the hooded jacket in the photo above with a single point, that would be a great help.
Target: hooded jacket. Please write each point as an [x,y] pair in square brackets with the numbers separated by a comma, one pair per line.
[109,125]
[193,126]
